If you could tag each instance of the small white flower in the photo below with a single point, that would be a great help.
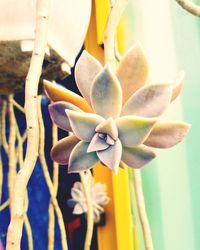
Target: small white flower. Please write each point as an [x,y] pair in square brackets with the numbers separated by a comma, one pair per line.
[98,195]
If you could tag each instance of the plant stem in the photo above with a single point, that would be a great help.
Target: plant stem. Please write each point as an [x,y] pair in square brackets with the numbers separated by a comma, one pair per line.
[86,179]
[52,192]
[3,122]
[141,209]
[51,227]
[11,149]
[4,205]
[190,7]
[110,31]
[31,88]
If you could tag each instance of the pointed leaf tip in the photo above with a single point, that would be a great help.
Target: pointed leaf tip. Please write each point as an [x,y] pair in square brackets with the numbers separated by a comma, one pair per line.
[87,67]
[133,130]
[178,85]
[132,71]
[106,94]
[56,92]
[61,151]
[149,101]
[80,160]
[58,115]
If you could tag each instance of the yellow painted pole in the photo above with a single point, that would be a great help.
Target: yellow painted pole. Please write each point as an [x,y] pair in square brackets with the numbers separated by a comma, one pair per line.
[117,234]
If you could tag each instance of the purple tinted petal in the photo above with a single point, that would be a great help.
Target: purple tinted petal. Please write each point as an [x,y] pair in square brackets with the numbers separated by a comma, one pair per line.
[87,67]
[62,150]
[167,134]
[132,71]
[150,101]
[58,115]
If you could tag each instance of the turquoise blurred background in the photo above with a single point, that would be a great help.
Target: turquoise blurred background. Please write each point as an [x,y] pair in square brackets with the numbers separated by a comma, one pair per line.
[171,39]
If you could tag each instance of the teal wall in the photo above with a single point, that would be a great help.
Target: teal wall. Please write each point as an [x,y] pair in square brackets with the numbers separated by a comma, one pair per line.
[172,181]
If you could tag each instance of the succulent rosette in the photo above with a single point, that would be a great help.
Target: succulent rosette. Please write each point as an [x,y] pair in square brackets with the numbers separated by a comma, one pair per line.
[79,203]
[117,120]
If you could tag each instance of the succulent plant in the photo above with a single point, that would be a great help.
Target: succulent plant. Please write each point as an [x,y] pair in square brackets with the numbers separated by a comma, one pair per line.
[117,119]
[98,195]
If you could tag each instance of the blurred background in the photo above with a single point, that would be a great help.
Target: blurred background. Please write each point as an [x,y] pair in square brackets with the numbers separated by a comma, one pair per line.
[171,39]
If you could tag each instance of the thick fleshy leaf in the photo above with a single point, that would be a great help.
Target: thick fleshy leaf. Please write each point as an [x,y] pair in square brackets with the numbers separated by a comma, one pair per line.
[167,134]
[87,67]
[80,160]
[111,156]
[58,115]
[58,93]
[97,144]
[132,71]
[106,94]
[137,157]
[63,148]
[150,101]
[178,85]
[108,127]
[133,130]
[83,124]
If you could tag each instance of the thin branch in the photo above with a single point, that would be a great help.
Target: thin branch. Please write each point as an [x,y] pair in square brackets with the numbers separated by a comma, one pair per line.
[4,205]
[3,131]
[31,88]
[51,227]
[190,7]
[110,32]
[141,209]
[18,106]
[20,161]
[86,179]
[11,149]
[48,179]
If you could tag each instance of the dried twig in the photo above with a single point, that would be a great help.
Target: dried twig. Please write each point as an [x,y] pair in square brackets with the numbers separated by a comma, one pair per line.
[51,227]
[142,210]
[4,205]
[48,179]
[18,106]
[3,122]
[86,179]
[20,161]
[11,149]
[190,7]
[31,88]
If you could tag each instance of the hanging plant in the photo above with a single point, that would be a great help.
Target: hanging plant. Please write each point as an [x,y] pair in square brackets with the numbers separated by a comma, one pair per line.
[122,122]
